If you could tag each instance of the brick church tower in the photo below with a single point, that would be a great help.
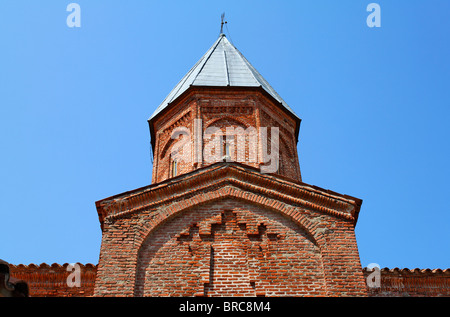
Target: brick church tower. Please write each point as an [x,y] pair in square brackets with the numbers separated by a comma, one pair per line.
[227,213]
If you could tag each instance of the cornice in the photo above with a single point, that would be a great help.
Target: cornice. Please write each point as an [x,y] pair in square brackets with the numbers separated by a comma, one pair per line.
[232,174]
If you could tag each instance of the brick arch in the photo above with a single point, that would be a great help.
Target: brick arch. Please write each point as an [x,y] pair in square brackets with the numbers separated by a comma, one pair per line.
[169,143]
[237,121]
[233,192]
[166,147]
[160,231]
[330,228]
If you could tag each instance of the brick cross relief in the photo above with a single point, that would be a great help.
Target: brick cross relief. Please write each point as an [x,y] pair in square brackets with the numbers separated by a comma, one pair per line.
[231,247]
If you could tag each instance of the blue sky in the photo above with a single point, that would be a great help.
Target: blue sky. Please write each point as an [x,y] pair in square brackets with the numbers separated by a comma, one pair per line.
[74,104]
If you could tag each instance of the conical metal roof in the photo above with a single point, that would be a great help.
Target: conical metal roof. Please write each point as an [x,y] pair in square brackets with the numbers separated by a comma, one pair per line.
[222,65]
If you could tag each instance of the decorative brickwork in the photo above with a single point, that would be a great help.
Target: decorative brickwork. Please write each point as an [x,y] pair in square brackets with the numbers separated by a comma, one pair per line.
[231,248]
[236,109]
[43,281]
[51,280]
[288,238]
[223,227]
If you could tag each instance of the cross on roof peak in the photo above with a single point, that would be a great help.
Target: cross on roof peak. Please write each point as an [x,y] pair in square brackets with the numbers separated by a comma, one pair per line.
[222,17]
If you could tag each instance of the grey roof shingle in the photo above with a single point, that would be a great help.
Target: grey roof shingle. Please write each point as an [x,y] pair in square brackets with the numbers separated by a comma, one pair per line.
[222,65]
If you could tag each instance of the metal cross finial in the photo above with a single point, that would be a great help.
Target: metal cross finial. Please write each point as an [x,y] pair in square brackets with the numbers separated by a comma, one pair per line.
[222,22]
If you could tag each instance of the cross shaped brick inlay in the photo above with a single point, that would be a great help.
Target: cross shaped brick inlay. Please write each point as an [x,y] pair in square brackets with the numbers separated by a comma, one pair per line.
[230,251]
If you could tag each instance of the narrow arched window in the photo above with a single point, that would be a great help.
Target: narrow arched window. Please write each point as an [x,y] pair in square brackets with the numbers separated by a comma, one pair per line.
[226,156]
[227,149]
[174,168]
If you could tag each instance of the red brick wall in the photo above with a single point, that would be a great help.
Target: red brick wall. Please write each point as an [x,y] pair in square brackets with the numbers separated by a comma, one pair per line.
[146,227]
[51,280]
[226,228]
[410,283]
[229,108]
[229,248]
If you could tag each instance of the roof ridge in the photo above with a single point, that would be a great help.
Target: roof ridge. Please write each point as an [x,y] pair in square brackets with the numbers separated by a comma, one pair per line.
[260,78]
[210,51]
[247,63]
[226,67]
